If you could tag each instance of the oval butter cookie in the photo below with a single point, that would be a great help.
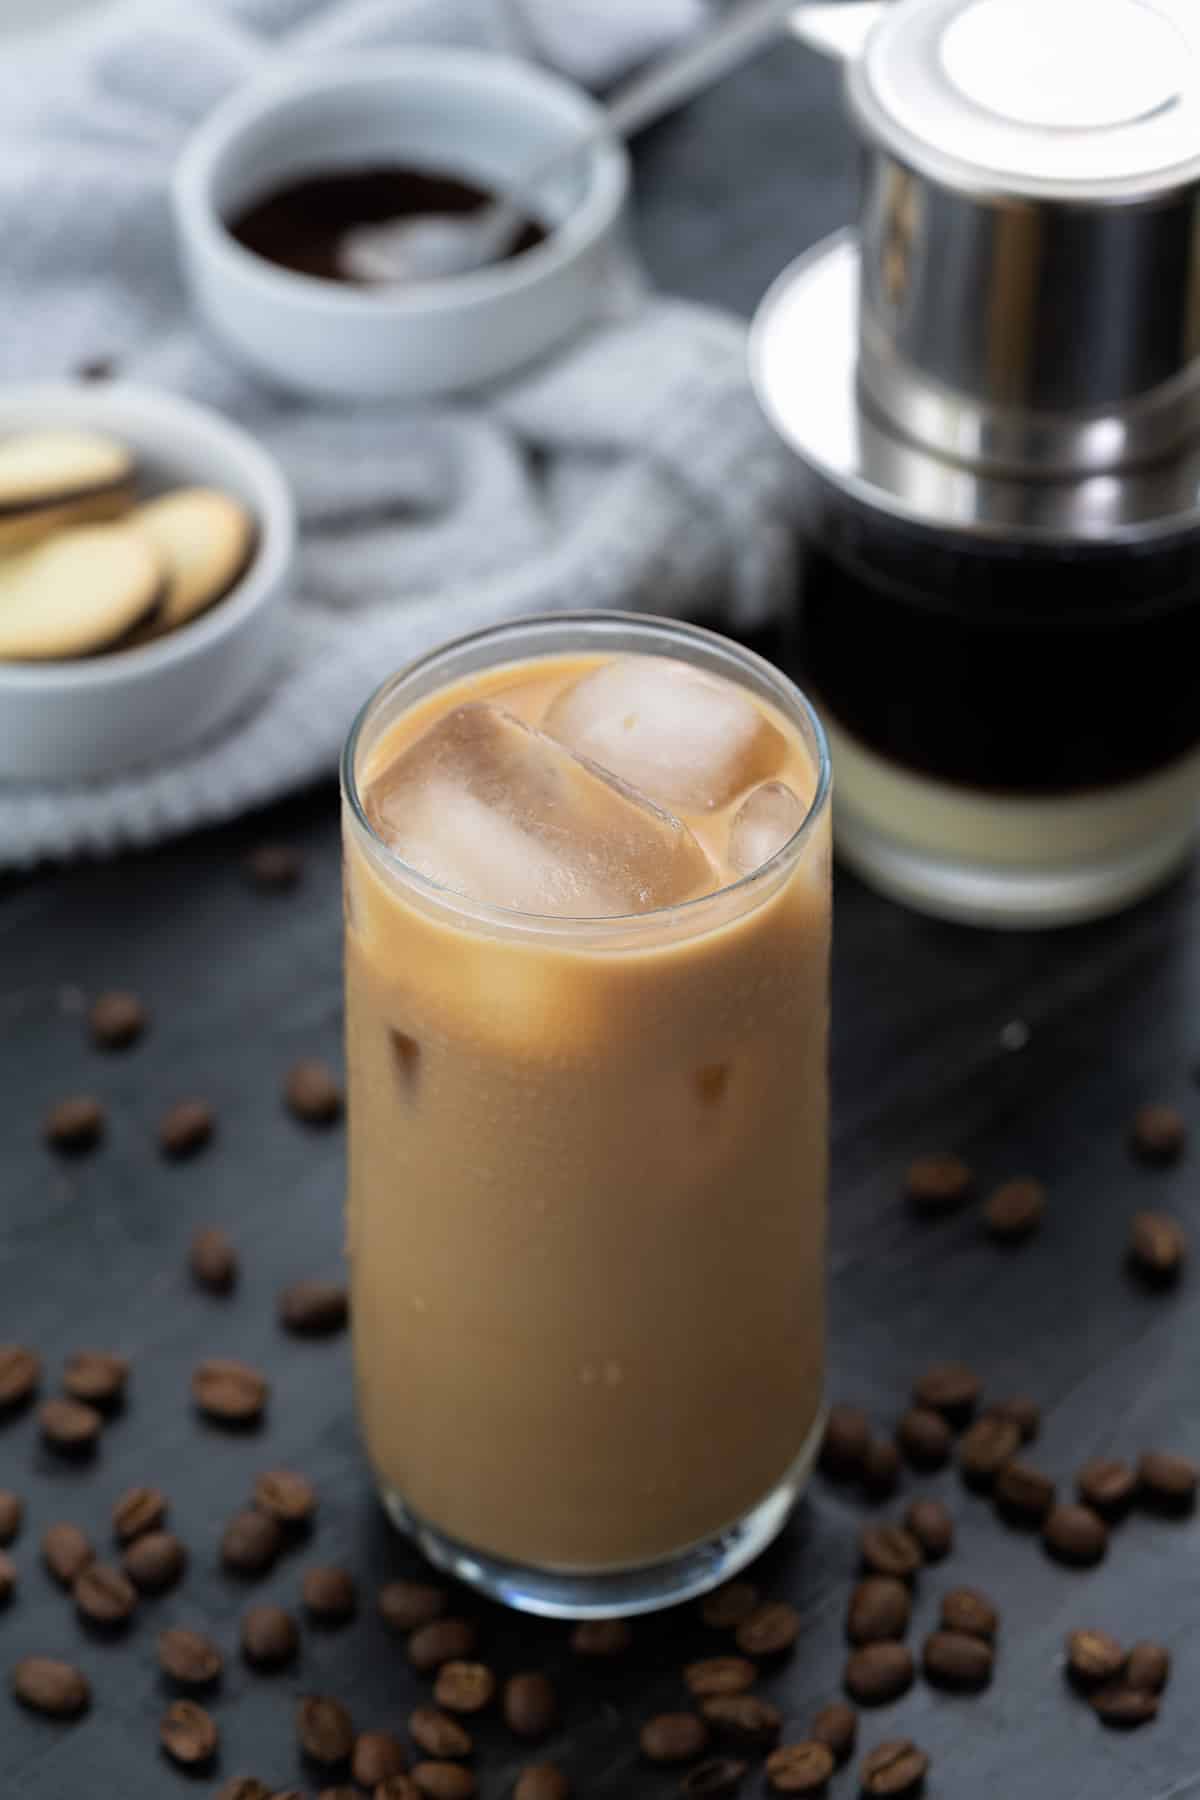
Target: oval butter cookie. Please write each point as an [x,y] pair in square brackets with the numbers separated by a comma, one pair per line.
[203,539]
[53,479]
[78,592]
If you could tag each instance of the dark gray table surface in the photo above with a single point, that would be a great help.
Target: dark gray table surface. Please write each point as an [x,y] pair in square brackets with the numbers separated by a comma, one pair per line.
[91,1253]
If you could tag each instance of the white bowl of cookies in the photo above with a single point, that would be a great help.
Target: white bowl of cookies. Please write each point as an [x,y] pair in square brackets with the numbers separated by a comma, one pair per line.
[145,549]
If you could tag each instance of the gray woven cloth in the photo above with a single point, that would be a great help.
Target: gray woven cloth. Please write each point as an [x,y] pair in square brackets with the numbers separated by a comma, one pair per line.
[631,471]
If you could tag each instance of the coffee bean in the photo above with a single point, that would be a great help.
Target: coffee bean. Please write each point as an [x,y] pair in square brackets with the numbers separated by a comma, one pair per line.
[325,1730]
[880,1608]
[8,1578]
[530,1706]
[313,1308]
[228,1391]
[878,1673]
[1075,1534]
[719,1778]
[116,1020]
[1158,1247]
[1123,1706]
[97,368]
[139,1510]
[1157,1134]
[97,1376]
[274,867]
[836,1726]
[930,1523]
[251,1542]
[155,1562]
[344,1791]
[20,1373]
[1107,1484]
[464,1687]
[1149,1667]
[213,1261]
[1167,1480]
[985,1448]
[889,1550]
[1023,1492]
[730,1606]
[601,1637]
[719,1675]
[924,1437]
[407,1605]
[70,1427]
[938,1182]
[440,1736]
[377,1754]
[55,1688]
[673,1737]
[396,1787]
[542,1781]
[770,1631]
[896,1768]
[744,1718]
[329,1595]
[188,1656]
[881,1469]
[66,1552]
[288,1497]
[445,1781]
[313,1093]
[844,1445]
[75,1124]
[245,1787]
[12,1511]
[966,1611]
[800,1768]
[949,1388]
[1014,1210]
[104,1595]
[953,1659]
[441,1641]
[1094,1656]
[269,1637]
[1025,1414]
[188,1733]
[185,1128]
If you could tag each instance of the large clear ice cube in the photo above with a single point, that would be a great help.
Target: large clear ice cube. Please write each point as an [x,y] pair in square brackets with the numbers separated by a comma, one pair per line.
[762,825]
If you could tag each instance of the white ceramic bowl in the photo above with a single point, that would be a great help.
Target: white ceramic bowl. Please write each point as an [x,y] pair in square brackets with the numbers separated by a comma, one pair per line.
[100,715]
[469,113]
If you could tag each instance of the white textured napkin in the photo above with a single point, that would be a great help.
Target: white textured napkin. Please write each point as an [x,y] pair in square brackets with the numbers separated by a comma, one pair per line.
[633,470]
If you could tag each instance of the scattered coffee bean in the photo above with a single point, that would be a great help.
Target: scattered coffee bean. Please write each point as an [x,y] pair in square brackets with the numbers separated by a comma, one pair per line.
[313,1092]
[1023,1493]
[1025,1414]
[673,1738]
[228,1391]
[844,1445]
[1157,1247]
[446,1781]
[20,1373]
[719,1675]
[878,1673]
[274,867]
[952,1659]
[730,1606]
[139,1510]
[1108,1485]
[889,1550]
[966,1611]
[896,1768]
[949,1388]
[104,1595]
[97,368]
[924,1437]
[1014,1210]
[186,1128]
[12,1511]
[542,1781]
[8,1578]
[329,1595]
[377,1754]
[313,1308]
[155,1562]
[1075,1534]
[1093,1657]
[770,1631]
[1157,1134]
[116,1020]
[97,1376]
[1167,1480]
[938,1182]
[407,1605]
[251,1542]
[245,1787]
[188,1656]
[930,1523]
[396,1787]
[985,1448]
[188,1733]
[1123,1706]
[836,1726]
[881,1469]
[719,1778]
[325,1730]
[344,1791]
[1149,1667]
[70,1427]
[76,1124]
[213,1261]
[880,1608]
[464,1687]
[531,1705]
[55,1688]
[744,1718]
[800,1768]
[288,1497]
[440,1736]
[441,1641]
[270,1637]
[601,1637]
[66,1552]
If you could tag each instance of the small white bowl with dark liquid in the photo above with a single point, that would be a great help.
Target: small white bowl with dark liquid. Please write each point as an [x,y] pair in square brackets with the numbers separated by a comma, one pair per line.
[269,182]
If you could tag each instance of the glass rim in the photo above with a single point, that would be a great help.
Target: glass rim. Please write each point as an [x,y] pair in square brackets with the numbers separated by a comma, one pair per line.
[559,924]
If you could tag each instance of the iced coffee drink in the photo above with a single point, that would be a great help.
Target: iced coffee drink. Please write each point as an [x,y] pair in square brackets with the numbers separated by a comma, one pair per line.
[587,933]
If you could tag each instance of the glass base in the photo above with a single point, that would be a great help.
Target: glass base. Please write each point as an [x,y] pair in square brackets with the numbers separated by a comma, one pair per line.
[619,1593]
